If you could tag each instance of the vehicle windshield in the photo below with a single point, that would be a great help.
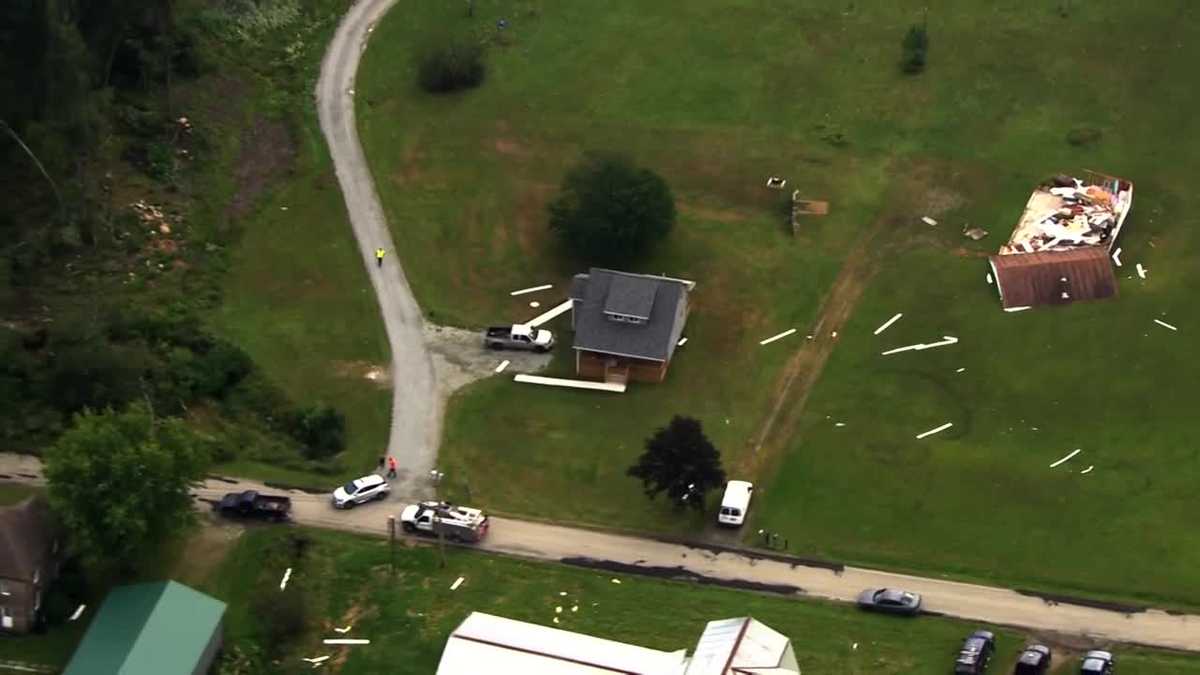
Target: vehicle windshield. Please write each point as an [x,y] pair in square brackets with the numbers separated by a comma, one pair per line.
[350,488]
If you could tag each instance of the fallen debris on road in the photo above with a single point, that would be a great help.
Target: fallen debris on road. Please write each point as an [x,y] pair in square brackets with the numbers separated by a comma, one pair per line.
[503,364]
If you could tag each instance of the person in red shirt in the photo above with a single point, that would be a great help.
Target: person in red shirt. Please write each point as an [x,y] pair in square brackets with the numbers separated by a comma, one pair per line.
[391,467]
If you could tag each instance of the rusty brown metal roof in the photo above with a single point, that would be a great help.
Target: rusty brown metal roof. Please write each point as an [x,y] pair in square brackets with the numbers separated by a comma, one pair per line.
[1031,279]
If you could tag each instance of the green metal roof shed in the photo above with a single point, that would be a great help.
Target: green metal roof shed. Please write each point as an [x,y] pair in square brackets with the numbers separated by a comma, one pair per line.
[160,628]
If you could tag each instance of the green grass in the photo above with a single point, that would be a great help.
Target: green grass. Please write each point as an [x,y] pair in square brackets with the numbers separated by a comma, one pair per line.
[296,296]
[11,493]
[408,617]
[717,98]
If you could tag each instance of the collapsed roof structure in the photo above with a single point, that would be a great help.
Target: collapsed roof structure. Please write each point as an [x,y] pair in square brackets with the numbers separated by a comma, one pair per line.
[1059,251]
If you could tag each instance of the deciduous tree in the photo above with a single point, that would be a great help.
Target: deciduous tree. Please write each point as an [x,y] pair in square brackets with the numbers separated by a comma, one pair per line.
[680,461]
[120,482]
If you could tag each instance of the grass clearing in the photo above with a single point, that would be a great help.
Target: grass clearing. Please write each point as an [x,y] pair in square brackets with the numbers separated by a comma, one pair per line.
[773,90]
[296,295]
[408,617]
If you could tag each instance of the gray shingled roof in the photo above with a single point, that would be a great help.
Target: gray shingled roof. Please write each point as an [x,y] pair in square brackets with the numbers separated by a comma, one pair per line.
[25,531]
[602,291]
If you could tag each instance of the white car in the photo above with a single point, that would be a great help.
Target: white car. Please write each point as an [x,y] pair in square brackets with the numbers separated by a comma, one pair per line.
[360,490]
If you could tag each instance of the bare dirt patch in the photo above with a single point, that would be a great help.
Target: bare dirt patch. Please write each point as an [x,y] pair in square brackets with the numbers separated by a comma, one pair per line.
[267,151]
[510,147]
[205,550]
[530,216]
[378,374]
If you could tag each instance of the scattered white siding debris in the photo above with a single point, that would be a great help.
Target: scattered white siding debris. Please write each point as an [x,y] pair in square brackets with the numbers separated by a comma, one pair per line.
[543,318]
[1076,451]
[1141,271]
[682,342]
[577,384]
[1116,256]
[931,432]
[346,641]
[990,280]
[503,364]
[888,323]
[78,611]
[457,582]
[1016,309]
[948,340]
[777,337]
[616,581]
[535,304]
[286,575]
[317,659]
[343,630]
[960,370]
[532,289]
[928,221]
[1089,469]
[1164,324]
[558,609]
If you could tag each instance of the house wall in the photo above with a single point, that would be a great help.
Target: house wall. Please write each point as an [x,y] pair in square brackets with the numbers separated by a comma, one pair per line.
[593,365]
[204,665]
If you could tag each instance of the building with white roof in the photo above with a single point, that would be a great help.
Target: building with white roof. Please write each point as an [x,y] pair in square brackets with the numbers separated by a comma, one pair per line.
[484,644]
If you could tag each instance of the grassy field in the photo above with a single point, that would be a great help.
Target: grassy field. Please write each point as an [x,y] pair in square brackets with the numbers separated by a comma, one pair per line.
[408,617]
[296,296]
[465,179]
[716,99]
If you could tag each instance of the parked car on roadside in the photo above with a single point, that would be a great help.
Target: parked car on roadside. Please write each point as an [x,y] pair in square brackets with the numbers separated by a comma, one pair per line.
[890,601]
[360,490]
[734,503]
[976,653]
[1097,662]
[1035,660]
[251,504]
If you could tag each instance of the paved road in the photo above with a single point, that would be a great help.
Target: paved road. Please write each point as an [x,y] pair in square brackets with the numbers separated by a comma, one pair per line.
[624,554]
[416,405]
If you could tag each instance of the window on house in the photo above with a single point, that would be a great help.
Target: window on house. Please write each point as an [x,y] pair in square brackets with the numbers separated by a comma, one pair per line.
[3,587]
[6,617]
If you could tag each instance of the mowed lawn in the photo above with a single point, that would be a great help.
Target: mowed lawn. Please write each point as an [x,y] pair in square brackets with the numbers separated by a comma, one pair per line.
[981,499]
[297,297]
[716,98]
[346,580]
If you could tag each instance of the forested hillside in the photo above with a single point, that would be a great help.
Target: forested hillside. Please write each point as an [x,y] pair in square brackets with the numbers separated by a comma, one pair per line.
[136,137]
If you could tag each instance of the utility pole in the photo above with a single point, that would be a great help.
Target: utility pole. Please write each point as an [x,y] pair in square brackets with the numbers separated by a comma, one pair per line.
[392,542]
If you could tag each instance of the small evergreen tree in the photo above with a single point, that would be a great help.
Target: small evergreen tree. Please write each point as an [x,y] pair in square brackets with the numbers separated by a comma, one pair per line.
[680,461]
[915,48]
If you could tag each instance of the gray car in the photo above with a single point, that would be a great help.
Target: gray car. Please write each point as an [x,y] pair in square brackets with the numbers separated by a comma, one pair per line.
[890,601]
[1097,662]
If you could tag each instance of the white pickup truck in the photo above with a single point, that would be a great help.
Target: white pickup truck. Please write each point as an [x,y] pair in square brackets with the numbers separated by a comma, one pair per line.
[518,336]
[456,523]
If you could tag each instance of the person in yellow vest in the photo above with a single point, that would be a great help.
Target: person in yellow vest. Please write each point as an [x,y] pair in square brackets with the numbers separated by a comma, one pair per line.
[379,253]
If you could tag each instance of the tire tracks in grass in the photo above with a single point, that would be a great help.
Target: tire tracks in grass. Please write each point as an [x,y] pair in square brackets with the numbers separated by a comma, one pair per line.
[804,368]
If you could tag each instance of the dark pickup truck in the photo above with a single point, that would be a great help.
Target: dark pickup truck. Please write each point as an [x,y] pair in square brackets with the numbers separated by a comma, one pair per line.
[250,504]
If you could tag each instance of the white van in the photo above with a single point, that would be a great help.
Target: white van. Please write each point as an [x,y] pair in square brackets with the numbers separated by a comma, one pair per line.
[734,503]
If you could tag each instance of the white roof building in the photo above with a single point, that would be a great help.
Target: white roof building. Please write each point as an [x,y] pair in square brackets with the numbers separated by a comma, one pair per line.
[484,644]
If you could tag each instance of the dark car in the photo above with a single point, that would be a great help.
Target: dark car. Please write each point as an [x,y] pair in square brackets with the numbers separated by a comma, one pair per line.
[1096,662]
[976,653]
[1035,660]
[251,504]
[890,601]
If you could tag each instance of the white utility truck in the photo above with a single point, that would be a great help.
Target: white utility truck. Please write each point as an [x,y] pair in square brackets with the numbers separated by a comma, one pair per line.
[456,523]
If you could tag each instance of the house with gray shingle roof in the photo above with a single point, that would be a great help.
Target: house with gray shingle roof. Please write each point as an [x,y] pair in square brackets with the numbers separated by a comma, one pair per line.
[627,326]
